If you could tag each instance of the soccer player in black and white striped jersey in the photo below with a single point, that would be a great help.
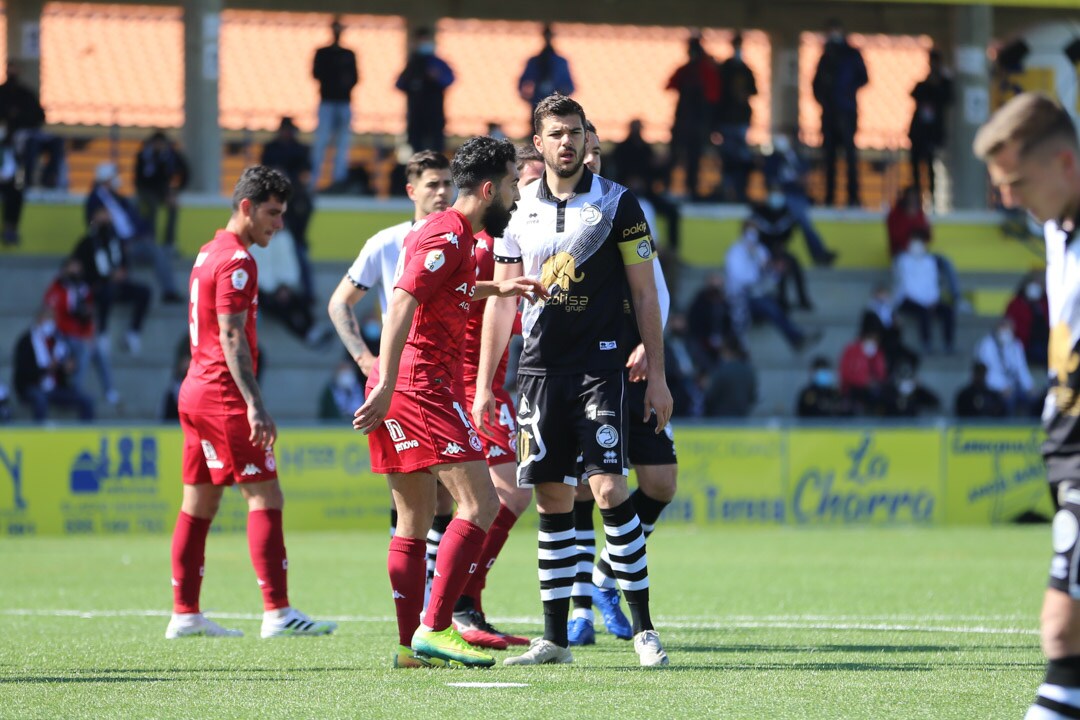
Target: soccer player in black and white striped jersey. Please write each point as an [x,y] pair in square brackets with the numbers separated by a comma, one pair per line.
[1032,151]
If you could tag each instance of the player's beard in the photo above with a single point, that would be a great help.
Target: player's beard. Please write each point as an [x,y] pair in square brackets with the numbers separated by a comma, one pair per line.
[496,217]
[565,171]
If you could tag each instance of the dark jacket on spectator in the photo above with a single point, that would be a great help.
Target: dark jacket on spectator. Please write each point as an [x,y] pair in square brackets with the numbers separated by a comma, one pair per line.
[840,73]
[335,69]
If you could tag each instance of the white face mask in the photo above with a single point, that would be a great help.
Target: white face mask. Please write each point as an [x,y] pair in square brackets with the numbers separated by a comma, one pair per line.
[1033,291]
[869,348]
[906,387]
[775,201]
[48,327]
[917,247]
[1005,336]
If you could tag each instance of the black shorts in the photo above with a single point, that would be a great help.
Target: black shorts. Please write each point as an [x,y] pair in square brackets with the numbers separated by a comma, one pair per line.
[563,416]
[646,446]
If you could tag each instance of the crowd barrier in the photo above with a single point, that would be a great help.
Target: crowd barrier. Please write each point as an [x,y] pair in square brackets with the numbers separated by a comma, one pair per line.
[126,480]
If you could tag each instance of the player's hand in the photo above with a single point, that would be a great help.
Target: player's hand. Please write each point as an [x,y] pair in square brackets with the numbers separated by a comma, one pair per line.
[658,400]
[263,430]
[638,364]
[526,287]
[371,414]
[484,408]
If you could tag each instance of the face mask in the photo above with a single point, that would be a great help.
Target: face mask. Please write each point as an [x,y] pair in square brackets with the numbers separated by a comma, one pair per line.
[426,48]
[906,387]
[775,200]
[823,377]
[346,379]
[917,247]
[1005,336]
[48,327]
[869,348]
[1033,291]
[115,183]
[781,143]
[751,236]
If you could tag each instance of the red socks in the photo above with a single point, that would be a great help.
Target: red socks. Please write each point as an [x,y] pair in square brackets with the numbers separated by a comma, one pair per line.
[407,564]
[493,544]
[266,541]
[457,560]
[188,558]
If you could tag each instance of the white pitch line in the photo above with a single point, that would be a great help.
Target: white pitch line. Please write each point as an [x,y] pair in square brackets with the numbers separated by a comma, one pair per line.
[486,685]
[869,623]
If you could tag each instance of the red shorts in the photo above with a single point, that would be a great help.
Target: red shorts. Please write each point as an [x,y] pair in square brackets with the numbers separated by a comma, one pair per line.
[500,445]
[217,450]
[423,429]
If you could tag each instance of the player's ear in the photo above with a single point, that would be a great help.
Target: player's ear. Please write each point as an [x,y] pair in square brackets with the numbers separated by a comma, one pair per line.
[245,206]
[538,144]
[410,191]
[488,190]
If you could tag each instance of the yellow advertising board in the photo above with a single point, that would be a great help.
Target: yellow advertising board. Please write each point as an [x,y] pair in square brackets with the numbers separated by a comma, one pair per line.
[120,481]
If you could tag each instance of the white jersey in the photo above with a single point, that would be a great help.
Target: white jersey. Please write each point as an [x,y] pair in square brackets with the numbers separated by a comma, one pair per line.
[377,262]
[1061,413]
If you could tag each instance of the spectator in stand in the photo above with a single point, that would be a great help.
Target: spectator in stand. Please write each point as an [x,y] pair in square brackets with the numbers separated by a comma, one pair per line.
[863,374]
[905,396]
[918,290]
[161,172]
[905,218]
[821,398]
[733,114]
[424,81]
[731,389]
[170,411]
[343,394]
[682,375]
[785,169]
[292,157]
[775,224]
[933,96]
[1006,368]
[104,260]
[977,400]
[72,304]
[880,317]
[698,86]
[281,293]
[545,74]
[708,322]
[5,403]
[128,225]
[336,70]
[637,167]
[839,75]
[1029,312]
[43,367]
[750,280]
[24,117]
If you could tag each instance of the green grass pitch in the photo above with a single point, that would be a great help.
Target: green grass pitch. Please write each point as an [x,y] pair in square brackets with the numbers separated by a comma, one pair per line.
[845,623]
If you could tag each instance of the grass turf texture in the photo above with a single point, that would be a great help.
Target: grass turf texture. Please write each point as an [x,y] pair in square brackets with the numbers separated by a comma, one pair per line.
[773,623]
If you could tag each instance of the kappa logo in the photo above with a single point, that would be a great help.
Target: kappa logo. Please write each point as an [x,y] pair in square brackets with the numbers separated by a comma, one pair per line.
[239,278]
[398,596]
[611,457]
[496,451]
[240,255]
[250,469]
[452,448]
[452,239]
[607,436]
[211,455]
[434,260]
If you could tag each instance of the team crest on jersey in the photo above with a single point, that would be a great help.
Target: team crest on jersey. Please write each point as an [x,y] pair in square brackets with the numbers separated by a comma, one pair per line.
[607,436]
[270,463]
[434,260]
[590,214]
[239,278]
[474,441]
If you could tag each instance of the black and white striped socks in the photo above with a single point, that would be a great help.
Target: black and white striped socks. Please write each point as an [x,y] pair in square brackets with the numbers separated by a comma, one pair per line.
[558,564]
[625,550]
[1059,695]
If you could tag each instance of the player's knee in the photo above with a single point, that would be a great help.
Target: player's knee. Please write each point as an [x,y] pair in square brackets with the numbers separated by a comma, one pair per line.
[516,500]
[609,491]
[659,482]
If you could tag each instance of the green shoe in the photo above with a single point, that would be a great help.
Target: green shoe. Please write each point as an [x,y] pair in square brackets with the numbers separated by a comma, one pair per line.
[404,657]
[448,646]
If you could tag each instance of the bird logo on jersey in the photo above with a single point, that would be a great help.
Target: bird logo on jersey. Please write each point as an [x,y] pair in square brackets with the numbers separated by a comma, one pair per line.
[560,270]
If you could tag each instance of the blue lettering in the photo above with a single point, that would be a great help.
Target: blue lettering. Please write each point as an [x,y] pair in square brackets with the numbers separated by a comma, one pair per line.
[125,468]
[13,465]
[815,500]
[148,457]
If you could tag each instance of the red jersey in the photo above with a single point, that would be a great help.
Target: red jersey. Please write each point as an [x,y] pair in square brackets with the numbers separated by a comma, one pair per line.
[224,281]
[437,267]
[72,308]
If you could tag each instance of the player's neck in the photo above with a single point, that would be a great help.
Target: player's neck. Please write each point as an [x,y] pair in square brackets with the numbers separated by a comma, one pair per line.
[561,187]
[472,208]
[235,226]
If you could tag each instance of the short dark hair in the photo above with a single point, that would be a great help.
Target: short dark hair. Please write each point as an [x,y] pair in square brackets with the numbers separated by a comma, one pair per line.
[591,128]
[425,160]
[479,160]
[557,105]
[259,183]
[527,153]
[1030,119]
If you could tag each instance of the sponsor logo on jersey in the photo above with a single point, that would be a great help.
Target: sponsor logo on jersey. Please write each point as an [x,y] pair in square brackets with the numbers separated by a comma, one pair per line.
[452,448]
[211,455]
[611,457]
[636,229]
[560,270]
[240,255]
[590,214]
[534,219]
[434,260]
[607,436]
[452,239]
[250,469]
[394,427]
[496,451]
[608,344]
[474,441]
[644,248]
[398,596]
[239,278]
[590,412]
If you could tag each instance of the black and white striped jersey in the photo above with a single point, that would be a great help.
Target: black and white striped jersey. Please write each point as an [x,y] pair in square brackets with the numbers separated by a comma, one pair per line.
[1061,413]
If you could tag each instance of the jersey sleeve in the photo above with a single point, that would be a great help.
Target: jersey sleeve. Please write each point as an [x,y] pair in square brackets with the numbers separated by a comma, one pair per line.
[366,271]
[236,285]
[506,249]
[631,232]
[431,262]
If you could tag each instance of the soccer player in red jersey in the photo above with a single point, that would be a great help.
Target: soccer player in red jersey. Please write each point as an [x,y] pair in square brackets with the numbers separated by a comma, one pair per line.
[228,434]
[414,415]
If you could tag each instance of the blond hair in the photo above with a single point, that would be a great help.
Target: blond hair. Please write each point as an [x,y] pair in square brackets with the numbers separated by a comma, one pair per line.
[1030,119]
